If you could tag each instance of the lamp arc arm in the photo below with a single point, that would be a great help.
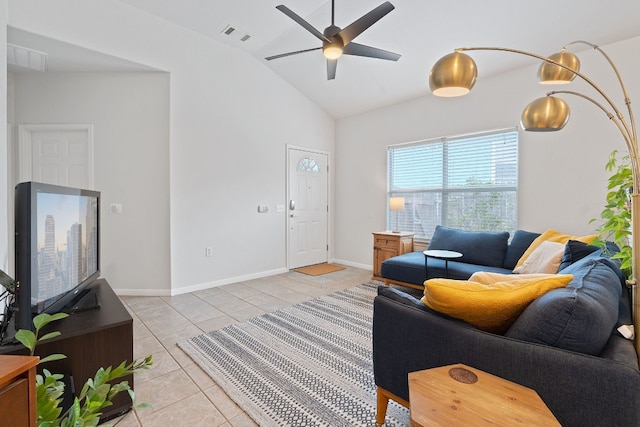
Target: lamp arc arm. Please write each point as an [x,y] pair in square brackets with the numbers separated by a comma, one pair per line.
[627,99]
[577,73]
[631,147]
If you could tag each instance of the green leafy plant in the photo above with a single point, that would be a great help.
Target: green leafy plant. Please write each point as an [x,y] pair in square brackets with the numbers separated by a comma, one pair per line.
[616,216]
[96,394]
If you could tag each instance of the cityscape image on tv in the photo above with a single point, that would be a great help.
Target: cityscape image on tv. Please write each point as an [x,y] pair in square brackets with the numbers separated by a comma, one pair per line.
[67,244]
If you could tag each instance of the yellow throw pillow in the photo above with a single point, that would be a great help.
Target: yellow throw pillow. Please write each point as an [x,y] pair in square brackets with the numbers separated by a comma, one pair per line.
[551,235]
[490,307]
[489,278]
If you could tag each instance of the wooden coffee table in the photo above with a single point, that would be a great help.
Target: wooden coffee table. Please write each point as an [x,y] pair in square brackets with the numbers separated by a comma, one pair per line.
[457,395]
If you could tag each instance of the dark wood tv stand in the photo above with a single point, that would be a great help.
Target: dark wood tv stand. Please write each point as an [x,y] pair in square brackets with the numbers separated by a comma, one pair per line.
[90,339]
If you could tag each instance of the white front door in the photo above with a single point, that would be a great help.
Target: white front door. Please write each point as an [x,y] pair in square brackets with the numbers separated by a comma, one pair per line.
[308,208]
[57,154]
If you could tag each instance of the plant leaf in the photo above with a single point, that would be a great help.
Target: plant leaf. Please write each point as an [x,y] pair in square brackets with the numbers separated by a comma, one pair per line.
[43,319]
[52,357]
[49,336]
[27,338]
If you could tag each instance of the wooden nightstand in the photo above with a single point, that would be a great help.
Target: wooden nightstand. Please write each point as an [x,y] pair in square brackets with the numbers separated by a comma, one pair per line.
[387,244]
[18,390]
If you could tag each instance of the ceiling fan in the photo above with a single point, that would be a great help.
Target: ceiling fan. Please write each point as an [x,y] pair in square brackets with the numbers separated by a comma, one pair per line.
[337,41]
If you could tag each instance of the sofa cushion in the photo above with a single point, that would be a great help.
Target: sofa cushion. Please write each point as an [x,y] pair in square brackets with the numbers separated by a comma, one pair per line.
[579,317]
[493,306]
[410,268]
[551,235]
[520,241]
[401,296]
[574,251]
[545,259]
[476,247]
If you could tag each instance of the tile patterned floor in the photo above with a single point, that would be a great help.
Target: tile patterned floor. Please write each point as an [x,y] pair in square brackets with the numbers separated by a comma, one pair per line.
[179,392]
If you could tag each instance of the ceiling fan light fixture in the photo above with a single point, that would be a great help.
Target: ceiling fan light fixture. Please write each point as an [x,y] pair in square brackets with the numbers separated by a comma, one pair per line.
[338,41]
[332,51]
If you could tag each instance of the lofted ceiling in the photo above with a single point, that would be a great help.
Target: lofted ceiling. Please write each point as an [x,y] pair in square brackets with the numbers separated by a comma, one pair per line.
[421,31]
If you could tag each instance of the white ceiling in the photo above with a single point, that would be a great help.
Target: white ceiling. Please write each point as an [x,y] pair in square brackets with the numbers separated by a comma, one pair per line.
[421,31]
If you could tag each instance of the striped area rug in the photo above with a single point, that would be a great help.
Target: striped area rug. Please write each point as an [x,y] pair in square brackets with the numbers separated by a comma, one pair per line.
[305,365]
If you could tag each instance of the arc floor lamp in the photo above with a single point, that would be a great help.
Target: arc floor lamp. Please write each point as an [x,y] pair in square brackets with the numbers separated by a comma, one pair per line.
[456,73]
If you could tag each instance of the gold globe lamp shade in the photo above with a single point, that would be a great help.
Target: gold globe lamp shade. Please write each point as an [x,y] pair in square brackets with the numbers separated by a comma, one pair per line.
[453,75]
[545,114]
[552,74]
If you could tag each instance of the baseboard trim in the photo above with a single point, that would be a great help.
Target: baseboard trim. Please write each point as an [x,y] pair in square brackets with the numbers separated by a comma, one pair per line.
[352,264]
[222,282]
[197,287]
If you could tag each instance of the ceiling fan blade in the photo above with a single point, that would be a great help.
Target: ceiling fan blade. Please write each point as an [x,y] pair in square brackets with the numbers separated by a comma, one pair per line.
[359,25]
[332,64]
[291,14]
[368,51]
[282,55]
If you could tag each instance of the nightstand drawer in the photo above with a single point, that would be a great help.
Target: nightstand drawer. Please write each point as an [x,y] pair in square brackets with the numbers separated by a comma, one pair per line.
[382,242]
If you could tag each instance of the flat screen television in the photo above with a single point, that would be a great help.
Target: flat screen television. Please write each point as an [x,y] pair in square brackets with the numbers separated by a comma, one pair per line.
[57,232]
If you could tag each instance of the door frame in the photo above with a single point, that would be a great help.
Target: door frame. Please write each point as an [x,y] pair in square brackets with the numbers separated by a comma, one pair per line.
[25,147]
[290,147]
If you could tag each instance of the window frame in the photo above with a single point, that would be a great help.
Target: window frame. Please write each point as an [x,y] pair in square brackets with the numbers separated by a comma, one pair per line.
[507,191]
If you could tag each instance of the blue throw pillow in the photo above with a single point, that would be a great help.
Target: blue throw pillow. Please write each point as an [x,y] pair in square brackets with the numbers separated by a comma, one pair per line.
[477,247]
[580,317]
[575,251]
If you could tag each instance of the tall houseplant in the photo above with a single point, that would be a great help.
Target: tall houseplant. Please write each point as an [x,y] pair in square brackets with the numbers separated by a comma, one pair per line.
[97,393]
[616,215]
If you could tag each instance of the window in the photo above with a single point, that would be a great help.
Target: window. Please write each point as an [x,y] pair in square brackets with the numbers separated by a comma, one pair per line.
[307,164]
[468,182]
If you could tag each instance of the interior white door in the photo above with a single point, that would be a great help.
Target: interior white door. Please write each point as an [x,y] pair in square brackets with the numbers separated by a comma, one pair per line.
[308,208]
[57,154]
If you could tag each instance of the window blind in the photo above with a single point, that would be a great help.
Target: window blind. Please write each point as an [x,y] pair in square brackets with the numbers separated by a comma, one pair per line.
[468,182]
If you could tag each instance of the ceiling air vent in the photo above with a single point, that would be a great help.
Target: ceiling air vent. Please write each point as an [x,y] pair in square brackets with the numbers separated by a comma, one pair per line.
[236,34]
[26,58]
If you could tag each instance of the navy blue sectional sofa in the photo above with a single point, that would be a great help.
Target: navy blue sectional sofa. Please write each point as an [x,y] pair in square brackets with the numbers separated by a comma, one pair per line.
[565,345]
[481,251]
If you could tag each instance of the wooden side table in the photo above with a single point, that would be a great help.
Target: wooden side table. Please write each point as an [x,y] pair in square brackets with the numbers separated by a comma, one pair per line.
[387,244]
[18,390]
[458,395]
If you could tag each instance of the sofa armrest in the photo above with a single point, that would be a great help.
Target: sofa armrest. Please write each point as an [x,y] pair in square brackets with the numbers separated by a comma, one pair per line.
[580,390]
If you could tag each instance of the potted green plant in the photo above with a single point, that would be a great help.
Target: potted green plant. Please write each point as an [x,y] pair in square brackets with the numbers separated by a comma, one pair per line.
[616,215]
[96,394]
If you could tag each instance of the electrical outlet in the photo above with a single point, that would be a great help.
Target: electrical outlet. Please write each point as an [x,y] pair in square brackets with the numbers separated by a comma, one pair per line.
[208,251]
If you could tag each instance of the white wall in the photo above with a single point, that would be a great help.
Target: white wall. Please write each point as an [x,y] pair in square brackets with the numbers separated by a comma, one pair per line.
[5,177]
[562,181]
[130,114]
[230,120]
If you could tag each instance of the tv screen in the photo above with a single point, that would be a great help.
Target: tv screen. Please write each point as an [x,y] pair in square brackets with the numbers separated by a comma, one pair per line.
[57,245]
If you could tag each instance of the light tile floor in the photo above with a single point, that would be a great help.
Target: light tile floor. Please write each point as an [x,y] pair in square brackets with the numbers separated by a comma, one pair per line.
[179,392]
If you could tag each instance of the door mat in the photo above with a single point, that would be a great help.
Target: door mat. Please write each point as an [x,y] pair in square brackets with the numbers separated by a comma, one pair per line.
[319,269]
